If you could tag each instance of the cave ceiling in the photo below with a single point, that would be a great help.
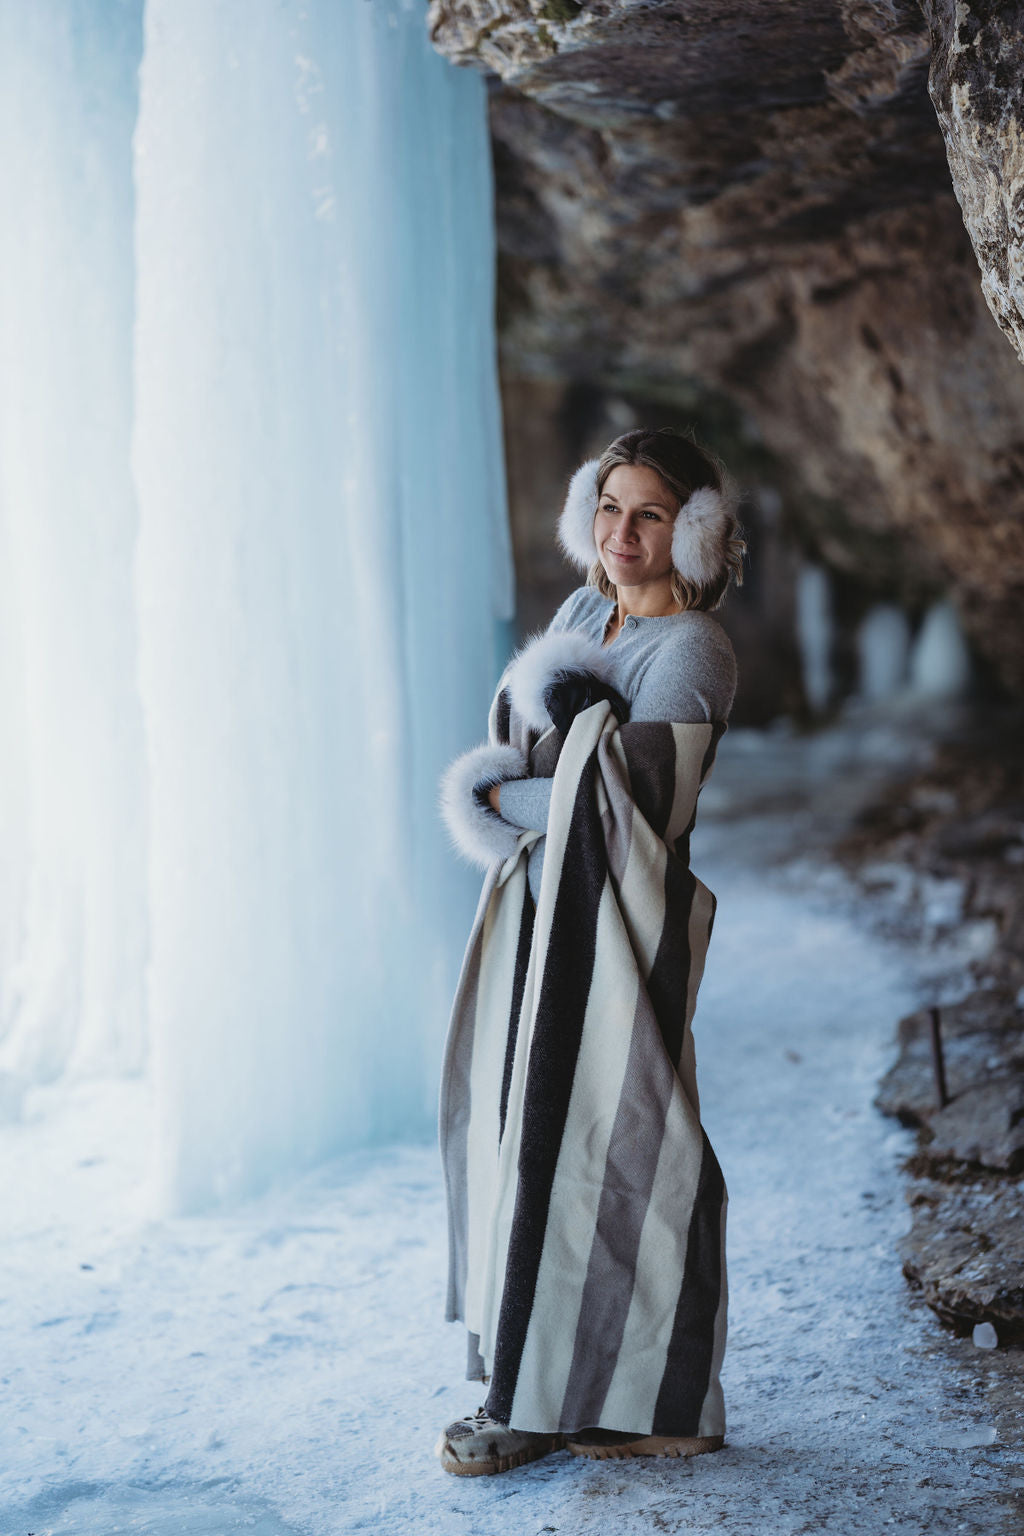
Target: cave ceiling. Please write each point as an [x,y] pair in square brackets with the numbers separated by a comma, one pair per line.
[769,201]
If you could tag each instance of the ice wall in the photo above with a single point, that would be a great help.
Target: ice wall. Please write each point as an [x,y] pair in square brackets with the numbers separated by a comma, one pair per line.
[322,575]
[73,919]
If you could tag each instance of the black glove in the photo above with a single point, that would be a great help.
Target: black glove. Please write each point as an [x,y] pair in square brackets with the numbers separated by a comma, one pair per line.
[572,692]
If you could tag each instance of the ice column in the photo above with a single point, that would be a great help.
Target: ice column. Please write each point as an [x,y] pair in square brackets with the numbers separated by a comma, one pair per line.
[72,803]
[883,646]
[940,664]
[323,574]
[814,630]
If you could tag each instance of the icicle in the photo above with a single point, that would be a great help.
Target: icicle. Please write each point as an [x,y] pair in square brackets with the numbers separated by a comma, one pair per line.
[883,645]
[814,630]
[939,662]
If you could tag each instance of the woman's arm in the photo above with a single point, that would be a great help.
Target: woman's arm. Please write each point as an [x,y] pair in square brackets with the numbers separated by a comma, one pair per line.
[523,802]
[691,679]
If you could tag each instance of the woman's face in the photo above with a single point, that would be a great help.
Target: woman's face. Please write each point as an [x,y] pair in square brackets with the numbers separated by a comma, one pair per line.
[633,526]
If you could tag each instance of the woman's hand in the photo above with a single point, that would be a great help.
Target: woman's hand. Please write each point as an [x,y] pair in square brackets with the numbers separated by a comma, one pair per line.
[572,692]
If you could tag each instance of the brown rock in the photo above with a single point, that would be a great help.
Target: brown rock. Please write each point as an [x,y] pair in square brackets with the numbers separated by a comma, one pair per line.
[965,1251]
[984,1124]
[981,1041]
[977,84]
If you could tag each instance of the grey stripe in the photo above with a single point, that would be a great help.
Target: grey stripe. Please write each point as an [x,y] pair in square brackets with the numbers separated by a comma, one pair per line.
[455,1107]
[630,1166]
[617,822]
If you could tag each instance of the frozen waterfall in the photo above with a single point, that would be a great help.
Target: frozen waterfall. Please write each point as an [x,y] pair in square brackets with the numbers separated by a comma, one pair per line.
[240,668]
[73,920]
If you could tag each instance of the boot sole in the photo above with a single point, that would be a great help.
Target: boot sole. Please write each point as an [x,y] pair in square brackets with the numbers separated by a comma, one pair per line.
[450,1462]
[647,1445]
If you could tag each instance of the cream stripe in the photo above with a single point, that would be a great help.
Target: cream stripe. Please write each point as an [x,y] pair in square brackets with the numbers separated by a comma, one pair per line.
[579,744]
[697,934]
[597,1085]
[661,1263]
[500,940]
[642,892]
[661,1260]
[691,745]
[661,1255]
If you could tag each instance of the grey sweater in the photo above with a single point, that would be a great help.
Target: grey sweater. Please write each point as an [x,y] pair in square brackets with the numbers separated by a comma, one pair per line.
[680,667]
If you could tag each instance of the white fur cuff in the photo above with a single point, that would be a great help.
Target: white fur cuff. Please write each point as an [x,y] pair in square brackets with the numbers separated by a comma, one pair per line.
[477,831]
[542,661]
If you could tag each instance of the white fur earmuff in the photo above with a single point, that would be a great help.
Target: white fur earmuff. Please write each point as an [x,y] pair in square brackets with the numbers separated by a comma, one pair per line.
[576,524]
[542,661]
[477,831]
[698,536]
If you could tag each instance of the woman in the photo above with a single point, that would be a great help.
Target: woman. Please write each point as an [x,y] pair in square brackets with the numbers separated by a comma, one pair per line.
[586,1206]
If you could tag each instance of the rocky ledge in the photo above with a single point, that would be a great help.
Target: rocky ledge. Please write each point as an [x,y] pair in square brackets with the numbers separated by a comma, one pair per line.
[943,853]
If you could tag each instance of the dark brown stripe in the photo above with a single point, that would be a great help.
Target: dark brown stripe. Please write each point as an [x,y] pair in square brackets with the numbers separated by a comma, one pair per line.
[545,754]
[687,1375]
[518,987]
[718,730]
[632,1158]
[554,1050]
[630,1168]
[669,980]
[650,748]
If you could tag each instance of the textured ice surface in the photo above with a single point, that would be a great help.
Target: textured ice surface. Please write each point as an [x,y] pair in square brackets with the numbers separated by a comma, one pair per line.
[73,931]
[287,1370]
[254,568]
[321,570]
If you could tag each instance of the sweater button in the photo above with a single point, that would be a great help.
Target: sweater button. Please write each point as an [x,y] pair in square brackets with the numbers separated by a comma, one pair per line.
[631,623]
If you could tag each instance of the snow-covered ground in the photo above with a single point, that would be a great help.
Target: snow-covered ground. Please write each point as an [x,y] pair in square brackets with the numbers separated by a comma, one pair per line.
[286,1370]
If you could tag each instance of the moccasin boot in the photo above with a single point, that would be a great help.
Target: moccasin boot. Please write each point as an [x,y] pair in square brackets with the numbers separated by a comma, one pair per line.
[478,1446]
[612,1444]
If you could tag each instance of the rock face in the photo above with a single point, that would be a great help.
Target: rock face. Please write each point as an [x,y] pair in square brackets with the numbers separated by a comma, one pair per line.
[966,1253]
[977,84]
[958,827]
[751,203]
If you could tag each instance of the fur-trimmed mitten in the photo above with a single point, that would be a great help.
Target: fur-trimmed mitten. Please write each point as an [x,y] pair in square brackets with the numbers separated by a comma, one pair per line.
[475,828]
[557,675]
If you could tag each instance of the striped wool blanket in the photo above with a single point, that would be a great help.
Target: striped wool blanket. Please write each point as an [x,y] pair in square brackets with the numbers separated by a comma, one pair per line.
[586,1206]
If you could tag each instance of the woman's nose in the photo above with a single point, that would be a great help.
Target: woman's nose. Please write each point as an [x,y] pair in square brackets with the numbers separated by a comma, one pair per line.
[629,528]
